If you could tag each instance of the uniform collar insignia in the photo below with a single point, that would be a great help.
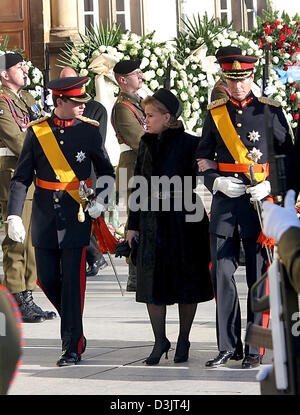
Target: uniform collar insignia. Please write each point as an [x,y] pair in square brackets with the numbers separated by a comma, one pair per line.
[63,123]
[241,104]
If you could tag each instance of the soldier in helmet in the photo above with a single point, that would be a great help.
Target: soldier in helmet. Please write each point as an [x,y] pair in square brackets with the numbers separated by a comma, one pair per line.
[61,150]
[234,136]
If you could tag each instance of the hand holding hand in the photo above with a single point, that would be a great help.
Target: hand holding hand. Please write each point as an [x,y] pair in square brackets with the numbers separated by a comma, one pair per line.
[130,235]
[206,164]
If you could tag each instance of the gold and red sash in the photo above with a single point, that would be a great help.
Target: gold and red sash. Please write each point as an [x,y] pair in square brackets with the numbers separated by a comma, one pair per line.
[55,156]
[69,182]
[232,141]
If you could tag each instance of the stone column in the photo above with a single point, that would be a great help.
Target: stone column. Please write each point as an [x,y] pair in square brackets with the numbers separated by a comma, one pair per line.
[64,19]
[64,29]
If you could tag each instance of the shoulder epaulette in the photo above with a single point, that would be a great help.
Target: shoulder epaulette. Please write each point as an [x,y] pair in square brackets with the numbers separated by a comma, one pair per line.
[217,103]
[269,101]
[34,122]
[88,120]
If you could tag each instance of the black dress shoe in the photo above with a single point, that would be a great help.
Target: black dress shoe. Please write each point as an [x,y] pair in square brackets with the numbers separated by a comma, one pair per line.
[95,267]
[238,355]
[157,353]
[220,360]
[68,359]
[251,360]
[182,352]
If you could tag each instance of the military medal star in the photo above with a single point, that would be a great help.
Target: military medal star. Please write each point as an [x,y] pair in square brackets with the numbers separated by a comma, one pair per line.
[80,156]
[254,136]
[254,154]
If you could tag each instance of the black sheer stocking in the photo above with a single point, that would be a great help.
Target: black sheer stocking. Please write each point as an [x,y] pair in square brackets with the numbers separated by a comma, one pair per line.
[186,317]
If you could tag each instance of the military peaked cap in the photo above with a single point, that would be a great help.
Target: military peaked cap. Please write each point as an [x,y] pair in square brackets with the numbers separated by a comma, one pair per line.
[235,65]
[72,87]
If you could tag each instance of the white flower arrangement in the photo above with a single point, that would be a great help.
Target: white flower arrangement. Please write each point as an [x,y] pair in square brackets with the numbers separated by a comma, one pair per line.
[194,69]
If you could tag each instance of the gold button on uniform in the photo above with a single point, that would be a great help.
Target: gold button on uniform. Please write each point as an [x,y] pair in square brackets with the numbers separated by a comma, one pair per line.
[239,124]
[56,200]
[240,112]
[62,131]
[236,175]
[57,177]
[61,142]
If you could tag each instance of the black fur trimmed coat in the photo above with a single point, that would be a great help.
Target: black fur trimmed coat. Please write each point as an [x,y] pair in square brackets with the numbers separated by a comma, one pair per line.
[173,256]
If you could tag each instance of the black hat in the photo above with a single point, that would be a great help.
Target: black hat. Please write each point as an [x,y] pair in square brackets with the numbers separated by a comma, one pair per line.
[72,87]
[235,66]
[166,97]
[127,66]
[9,59]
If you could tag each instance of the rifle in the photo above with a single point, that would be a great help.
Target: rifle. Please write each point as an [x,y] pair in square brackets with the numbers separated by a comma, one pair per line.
[46,108]
[266,73]
[167,81]
[282,301]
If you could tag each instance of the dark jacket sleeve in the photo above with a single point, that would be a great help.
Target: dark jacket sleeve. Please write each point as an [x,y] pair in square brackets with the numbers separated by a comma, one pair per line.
[22,178]
[289,253]
[206,150]
[134,216]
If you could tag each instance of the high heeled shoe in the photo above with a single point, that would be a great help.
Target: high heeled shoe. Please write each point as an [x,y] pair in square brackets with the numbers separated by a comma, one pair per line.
[182,352]
[154,357]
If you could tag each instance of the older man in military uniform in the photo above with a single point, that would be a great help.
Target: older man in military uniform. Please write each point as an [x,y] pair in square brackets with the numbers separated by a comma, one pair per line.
[61,150]
[129,124]
[17,108]
[234,135]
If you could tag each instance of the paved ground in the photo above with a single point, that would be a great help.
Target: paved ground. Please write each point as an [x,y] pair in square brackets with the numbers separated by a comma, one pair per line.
[119,339]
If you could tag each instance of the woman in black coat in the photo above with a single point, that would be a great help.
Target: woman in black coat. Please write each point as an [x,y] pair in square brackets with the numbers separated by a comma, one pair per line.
[171,223]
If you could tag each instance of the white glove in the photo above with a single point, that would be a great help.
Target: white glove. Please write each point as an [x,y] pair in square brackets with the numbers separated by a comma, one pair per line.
[95,209]
[277,220]
[259,191]
[230,186]
[16,230]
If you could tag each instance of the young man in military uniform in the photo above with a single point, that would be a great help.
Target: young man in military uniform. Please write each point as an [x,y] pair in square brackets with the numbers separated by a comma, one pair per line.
[95,111]
[128,121]
[61,150]
[17,108]
[234,135]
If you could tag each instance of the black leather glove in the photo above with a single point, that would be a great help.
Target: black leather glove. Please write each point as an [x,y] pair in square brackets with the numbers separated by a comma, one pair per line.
[122,249]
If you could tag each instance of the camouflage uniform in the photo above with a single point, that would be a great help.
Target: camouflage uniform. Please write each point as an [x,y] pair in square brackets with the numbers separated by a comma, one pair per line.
[18,259]
[128,122]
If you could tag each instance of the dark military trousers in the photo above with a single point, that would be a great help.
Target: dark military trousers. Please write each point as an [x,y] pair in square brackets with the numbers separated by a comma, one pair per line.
[10,341]
[61,275]
[18,259]
[225,260]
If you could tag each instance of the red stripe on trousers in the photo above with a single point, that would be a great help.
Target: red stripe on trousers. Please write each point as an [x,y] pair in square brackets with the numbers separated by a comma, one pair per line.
[266,317]
[82,291]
